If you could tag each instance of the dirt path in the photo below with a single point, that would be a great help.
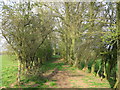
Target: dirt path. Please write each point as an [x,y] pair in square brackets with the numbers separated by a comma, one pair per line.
[65,79]
[73,78]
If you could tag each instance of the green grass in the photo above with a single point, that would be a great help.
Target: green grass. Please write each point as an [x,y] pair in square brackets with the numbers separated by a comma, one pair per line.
[8,61]
[52,83]
[50,66]
[72,69]
[56,56]
[95,82]
[9,70]
[9,73]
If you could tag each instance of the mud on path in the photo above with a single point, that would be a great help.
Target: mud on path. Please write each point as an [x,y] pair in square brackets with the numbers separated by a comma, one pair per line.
[69,77]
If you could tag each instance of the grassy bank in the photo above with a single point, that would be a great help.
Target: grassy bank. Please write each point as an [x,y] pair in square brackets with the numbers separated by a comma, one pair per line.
[73,75]
[9,70]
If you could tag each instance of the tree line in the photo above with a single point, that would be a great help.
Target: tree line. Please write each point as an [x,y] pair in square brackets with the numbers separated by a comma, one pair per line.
[85,34]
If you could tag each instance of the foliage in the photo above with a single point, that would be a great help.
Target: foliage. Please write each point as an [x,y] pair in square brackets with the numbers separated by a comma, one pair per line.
[85,35]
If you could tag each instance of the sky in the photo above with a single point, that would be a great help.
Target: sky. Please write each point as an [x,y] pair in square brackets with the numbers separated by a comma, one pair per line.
[2,40]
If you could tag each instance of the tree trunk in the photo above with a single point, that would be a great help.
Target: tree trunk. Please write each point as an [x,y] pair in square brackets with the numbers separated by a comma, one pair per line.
[118,44]
[19,72]
[100,67]
[76,62]
[108,70]
[119,73]
[86,66]
[93,67]
[105,69]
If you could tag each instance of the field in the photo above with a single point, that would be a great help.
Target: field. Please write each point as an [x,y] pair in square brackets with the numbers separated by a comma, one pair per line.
[9,70]
[56,73]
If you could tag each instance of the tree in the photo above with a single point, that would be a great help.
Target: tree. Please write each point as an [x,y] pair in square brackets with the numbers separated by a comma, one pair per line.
[118,45]
[25,31]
